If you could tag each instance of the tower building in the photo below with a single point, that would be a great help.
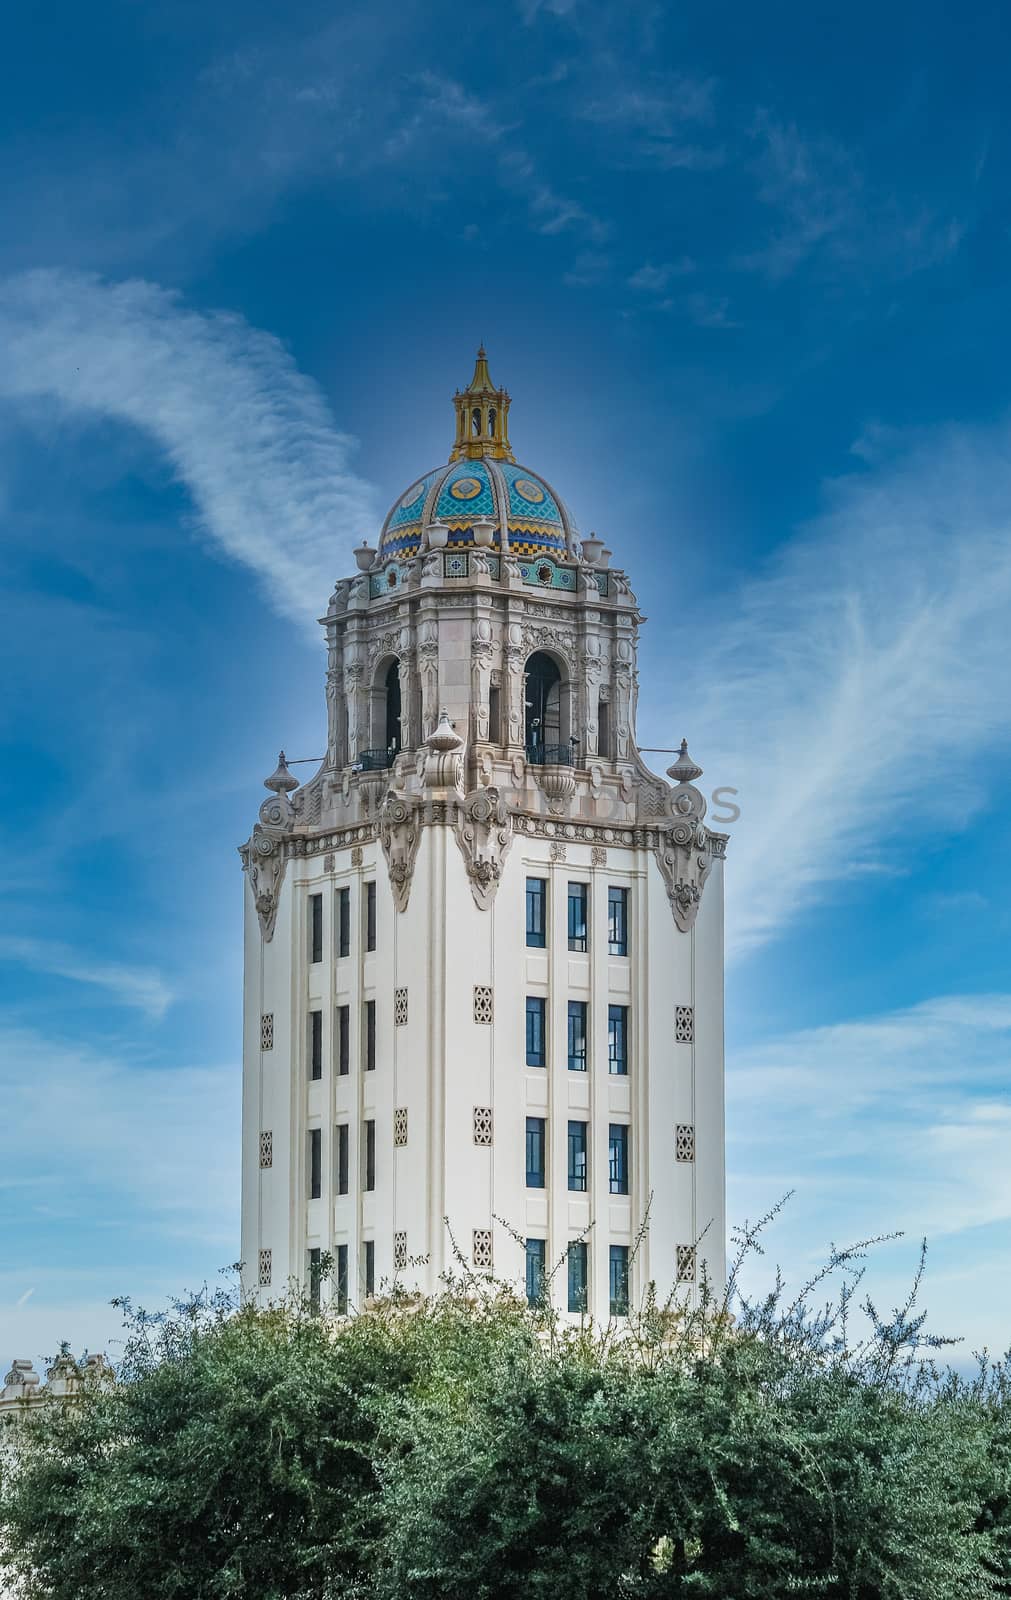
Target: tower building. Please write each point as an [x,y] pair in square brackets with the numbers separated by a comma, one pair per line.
[484,942]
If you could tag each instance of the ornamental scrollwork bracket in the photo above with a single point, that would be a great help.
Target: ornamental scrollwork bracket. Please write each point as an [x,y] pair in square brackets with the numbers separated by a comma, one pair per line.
[400,835]
[684,845]
[263,857]
[484,832]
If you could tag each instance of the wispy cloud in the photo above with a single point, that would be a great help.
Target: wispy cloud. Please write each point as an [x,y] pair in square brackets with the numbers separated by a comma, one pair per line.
[892,1122]
[251,438]
[908,1113]
[119,1138]
[855,693]
[829,212]
[656,121]
[654,277]
[139,987]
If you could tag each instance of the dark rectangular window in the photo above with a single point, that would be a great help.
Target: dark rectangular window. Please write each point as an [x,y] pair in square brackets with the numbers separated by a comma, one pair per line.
[343,1158]
[617,1157]
[536,1250]
[577,1156]
[617,922]
[370,915]
[315,1044]
[343,922]
[535,1153]
[370,1266]
[536,1007]
[577,1275]
[315,927]
[342,1280]
[370,1036]
[618,1265]
[617,1040]
[369,1155]
[577,1035]
[315,1163]
[314,1276]
[578,897]
[343,1040]
[537,912]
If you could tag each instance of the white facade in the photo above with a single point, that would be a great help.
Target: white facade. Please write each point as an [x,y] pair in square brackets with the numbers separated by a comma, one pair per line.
[488,671]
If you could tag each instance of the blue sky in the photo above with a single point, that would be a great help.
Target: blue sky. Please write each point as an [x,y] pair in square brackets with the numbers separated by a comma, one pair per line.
[745,274]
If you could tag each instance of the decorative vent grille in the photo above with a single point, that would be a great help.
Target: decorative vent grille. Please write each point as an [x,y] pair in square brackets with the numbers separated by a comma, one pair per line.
[482,1125]
[686,1263]
[684,1141]
[482,1252]
[267,1031]
[400,1008]
[598,856]
[328,861]
[483,1002]
[557,852]
[357,855]
[400,1125]
[399,1251]
[266,1148]
[265,1265]
[684,1024]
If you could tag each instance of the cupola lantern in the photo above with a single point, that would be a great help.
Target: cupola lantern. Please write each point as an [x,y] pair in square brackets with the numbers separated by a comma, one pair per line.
[482,417]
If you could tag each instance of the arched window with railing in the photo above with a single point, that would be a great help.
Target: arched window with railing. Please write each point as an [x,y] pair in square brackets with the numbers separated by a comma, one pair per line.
[386,730]
[547,711]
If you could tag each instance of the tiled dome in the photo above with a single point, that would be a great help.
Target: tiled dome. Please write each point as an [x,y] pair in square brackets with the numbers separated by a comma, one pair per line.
[481,484]
[483,490]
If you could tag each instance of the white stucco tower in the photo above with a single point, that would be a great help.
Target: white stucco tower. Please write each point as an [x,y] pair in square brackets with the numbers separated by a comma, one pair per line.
[484,943]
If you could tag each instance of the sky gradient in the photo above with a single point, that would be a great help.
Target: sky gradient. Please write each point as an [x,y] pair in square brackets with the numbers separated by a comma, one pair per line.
[745,275]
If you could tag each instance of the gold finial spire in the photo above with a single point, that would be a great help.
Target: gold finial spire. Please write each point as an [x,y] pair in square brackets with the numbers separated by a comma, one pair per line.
[482,417]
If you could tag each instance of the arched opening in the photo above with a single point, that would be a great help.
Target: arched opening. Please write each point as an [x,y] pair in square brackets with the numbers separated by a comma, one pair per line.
[546,710]
[491,423]
[386,727]
[604,729]
[393,734]
[475,422]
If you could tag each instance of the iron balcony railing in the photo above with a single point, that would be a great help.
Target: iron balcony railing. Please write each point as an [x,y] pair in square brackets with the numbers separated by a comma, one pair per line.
[552,755]
[375,760]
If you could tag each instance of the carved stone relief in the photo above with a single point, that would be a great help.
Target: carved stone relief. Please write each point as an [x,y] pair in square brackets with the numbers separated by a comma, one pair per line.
[400,835]
[484,833]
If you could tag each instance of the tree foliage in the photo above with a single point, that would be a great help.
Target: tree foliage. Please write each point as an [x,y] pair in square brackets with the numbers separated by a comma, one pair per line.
[468,1446]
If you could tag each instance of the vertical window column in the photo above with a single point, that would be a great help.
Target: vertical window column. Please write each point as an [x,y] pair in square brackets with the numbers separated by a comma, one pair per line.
[315,1045]
[577,1036]
[577,1275]
[315,927]
[618,1272]
[315,1258]
[369,1154]
[370,915]
[343,1158]
[536,1254]
[369,1248]
[618,1157]
[578,901]
[536,1020]
[315,1163]
[617,1041]
[370,1036]
[577,1157]
[342,1280]
[535,1152]
[537,913]
[343,923]
[343,1041]
[617,921]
